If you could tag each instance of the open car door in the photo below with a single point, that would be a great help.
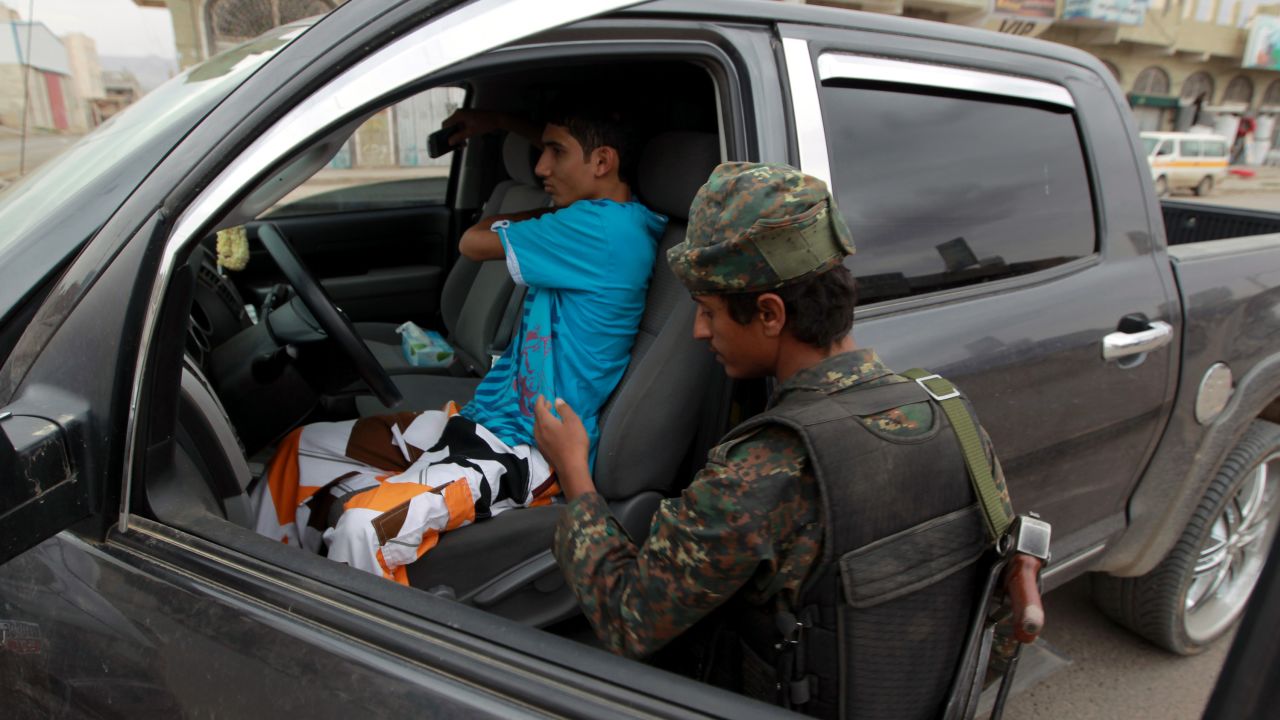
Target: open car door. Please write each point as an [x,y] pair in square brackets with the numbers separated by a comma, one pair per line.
[57,445]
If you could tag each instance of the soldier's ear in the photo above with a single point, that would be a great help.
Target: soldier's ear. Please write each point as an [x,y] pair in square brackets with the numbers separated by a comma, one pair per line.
[772,312]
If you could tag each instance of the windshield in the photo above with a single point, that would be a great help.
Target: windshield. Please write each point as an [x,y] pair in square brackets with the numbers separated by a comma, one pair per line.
[52,212]
[173,104]
[1149,145]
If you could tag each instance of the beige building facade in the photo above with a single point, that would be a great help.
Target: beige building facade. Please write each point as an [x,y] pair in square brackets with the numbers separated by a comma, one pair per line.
[86,73]
[1208,63]
[1181,62]
[40,84]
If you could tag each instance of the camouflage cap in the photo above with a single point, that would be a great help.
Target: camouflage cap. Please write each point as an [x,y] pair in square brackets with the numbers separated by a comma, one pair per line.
[755,227]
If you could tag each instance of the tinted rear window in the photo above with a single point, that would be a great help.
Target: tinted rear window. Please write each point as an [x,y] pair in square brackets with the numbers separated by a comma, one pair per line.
[944,190]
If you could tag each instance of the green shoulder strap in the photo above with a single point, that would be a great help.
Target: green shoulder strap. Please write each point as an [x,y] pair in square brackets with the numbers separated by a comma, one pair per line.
[975,456]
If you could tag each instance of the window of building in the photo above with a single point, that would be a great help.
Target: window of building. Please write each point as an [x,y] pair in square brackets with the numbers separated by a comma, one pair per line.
[1272,95]
[1003,191]
[1151,81]
[1197,85]
[1240,90]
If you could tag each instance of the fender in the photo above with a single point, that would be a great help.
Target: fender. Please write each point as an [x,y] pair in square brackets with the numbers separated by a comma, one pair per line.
[1181,471]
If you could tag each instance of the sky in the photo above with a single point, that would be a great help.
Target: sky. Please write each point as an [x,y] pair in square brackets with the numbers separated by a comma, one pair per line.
[118,27]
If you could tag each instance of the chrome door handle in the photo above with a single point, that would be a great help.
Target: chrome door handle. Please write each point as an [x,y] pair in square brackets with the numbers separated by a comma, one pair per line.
[1122,344]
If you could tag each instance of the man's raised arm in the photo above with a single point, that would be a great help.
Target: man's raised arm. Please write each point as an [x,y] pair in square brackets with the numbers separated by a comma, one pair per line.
[480,242]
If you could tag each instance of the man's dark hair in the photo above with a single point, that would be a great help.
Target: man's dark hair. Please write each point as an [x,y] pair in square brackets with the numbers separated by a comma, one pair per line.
[595,124]
[819,309]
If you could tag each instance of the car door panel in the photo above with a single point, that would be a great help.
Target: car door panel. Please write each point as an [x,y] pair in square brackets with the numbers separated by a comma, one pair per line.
[108,633]
[1072,429]
[378,265]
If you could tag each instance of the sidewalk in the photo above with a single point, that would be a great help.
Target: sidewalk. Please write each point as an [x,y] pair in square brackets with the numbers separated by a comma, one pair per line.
[1265,178]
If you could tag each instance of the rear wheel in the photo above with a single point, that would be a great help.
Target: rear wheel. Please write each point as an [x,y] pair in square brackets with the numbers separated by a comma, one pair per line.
[1205,186]
[1199,590]
[1162,186]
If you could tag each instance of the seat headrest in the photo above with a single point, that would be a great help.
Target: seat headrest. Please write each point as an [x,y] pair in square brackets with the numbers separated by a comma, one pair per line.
[517,155]
[672,168]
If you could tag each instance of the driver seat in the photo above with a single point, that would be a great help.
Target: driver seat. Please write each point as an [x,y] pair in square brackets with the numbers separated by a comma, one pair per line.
[504,564]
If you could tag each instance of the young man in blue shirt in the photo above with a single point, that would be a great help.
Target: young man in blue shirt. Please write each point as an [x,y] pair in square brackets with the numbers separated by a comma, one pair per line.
[399,480]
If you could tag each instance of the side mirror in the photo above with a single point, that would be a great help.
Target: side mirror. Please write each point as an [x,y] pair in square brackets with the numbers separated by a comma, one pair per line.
[8,456]
[39,492]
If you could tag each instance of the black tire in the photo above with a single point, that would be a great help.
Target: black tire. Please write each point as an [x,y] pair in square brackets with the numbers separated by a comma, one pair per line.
[1155,605]
[1162,186]
[1205,186]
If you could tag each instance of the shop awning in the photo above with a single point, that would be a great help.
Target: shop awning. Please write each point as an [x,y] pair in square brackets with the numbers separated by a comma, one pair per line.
[1160,101]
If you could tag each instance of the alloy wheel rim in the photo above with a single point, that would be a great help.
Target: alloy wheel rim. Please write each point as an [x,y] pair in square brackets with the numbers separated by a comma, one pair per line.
[1232,555]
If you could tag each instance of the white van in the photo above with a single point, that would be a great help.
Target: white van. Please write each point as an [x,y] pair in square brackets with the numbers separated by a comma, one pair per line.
[1186,160]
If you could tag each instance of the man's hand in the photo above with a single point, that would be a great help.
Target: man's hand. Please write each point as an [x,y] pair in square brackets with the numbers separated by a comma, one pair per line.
[564,443]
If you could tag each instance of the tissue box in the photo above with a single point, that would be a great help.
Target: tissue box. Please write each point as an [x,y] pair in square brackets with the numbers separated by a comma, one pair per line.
[424,348]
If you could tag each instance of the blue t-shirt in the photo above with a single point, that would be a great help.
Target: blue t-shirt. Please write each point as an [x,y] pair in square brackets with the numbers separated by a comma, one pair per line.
[586,268]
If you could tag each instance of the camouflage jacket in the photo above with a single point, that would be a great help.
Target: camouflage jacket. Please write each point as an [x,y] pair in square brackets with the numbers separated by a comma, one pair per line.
[750,523]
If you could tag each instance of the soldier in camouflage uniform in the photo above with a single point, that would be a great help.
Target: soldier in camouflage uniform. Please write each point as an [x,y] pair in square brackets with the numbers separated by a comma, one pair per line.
[763,258]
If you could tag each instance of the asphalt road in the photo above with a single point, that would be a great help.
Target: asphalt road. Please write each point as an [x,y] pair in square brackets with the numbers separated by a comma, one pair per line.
[39,148]
[1254,200]
[1104,671]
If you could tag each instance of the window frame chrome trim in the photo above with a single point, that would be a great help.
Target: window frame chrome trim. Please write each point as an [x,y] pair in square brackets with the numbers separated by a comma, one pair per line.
[460,34]
[811,134]
[852,66]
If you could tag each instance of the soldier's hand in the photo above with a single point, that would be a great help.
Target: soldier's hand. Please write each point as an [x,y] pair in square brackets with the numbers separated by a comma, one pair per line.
[564,443]
[470,123]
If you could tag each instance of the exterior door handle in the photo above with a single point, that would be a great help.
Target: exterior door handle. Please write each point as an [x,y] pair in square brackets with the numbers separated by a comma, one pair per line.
[1118,345]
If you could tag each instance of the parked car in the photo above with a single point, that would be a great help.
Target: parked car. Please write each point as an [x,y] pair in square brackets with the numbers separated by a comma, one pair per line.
[1007,239]
[1192,161]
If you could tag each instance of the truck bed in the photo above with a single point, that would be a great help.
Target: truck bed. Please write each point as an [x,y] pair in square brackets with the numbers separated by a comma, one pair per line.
[1190,222]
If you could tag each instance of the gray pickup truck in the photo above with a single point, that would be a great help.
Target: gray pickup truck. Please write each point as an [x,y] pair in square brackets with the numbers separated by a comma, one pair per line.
[1124,356]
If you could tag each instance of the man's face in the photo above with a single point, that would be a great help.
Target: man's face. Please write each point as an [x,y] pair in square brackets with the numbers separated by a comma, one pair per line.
[744,350]
[567,175]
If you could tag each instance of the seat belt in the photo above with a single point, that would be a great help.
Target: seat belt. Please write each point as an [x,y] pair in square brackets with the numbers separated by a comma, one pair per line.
[1012,590]
[510,316]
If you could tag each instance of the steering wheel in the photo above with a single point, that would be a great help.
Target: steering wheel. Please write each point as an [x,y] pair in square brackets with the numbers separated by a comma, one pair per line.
[333,321]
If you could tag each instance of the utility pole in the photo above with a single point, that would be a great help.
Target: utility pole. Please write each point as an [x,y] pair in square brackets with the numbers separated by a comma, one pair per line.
[26,90]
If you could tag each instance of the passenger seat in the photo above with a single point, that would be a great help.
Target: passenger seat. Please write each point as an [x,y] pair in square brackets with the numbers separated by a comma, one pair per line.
[479,302]
[504,564]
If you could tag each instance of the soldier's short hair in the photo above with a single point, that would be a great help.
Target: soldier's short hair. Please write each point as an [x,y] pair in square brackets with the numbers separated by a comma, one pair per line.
[819,309]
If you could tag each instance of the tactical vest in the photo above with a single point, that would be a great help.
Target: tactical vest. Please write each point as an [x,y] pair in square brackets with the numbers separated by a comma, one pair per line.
[881,620]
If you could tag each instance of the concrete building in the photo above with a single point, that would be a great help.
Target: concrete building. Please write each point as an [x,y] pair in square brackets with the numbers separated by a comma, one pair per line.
[36,73]
[86,73]
[393,138]
[120,90]
[204,28]
[1180,61]
[1186,64]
